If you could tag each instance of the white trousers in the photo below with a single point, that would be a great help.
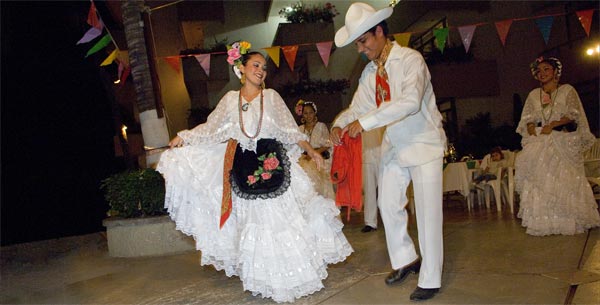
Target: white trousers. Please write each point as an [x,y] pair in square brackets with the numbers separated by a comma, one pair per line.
[427,185]
[370,173]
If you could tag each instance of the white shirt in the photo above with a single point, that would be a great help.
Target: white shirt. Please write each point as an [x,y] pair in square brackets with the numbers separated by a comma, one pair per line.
[413,123]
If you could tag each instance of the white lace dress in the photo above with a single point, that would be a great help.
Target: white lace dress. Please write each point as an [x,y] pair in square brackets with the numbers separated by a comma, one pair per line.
[556,197]
[279,247]
[319,137]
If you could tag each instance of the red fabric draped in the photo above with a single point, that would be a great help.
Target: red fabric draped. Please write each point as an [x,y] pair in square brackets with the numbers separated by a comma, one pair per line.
[346,172]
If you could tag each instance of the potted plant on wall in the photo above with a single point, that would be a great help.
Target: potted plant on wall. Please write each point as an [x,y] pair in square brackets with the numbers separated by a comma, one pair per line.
[137,224]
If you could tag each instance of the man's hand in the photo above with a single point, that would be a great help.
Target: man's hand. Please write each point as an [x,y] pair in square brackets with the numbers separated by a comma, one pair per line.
[335,136]
[353,129]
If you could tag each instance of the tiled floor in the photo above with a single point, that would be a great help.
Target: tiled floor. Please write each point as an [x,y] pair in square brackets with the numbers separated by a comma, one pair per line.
[488,260]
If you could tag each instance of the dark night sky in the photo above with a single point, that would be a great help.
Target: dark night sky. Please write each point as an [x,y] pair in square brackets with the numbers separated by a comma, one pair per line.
[57,125]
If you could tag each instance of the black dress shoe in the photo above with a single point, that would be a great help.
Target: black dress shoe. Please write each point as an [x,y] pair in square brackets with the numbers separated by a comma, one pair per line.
[422,294]
[398,276]
[367,229]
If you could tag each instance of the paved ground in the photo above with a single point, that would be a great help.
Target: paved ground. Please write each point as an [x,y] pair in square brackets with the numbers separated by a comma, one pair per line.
[488,260]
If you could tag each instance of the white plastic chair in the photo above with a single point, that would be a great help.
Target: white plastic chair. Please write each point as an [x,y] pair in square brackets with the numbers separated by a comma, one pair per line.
[497,187]
[593,155]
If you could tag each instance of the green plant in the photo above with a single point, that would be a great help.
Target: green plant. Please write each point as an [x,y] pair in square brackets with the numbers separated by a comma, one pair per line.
[136,193]
[218,47]
[299,13]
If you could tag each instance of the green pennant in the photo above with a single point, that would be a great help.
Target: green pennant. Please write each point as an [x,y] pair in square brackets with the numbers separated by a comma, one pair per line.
[440,38]
[99,45]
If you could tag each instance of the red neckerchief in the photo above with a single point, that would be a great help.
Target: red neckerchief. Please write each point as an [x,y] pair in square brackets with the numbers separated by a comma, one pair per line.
[382,87]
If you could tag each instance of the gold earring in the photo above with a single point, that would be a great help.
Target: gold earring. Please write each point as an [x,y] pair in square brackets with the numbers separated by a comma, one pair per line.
[243,79]
[263,85]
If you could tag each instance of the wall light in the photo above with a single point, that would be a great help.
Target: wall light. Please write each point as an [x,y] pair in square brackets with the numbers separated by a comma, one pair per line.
[124,132]
[592,51]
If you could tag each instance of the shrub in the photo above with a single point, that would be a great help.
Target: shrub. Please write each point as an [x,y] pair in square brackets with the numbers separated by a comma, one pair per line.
[136,193]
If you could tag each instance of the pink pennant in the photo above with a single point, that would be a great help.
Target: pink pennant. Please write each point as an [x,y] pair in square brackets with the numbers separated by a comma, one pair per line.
[466,35]
[120,71]
[93,17]
[325,51]
[289,52]
[585,17]
[174,62]
[502,27]
[125,75]
[204,61]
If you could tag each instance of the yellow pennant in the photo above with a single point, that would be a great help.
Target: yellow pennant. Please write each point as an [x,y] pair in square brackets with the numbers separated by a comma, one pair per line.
[110,58]
[273,54]
[402,39]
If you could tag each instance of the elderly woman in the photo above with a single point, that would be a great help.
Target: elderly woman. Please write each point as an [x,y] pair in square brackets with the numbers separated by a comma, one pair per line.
[555,195]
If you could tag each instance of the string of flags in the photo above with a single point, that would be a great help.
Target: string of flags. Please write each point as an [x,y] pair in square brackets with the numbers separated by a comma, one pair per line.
[97,28]
[543,22]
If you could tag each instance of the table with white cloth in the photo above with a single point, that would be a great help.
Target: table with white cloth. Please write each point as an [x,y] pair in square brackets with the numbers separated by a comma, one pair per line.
[457,177]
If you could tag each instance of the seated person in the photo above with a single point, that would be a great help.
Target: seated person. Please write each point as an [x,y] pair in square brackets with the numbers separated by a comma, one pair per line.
[490,164]
[318,135]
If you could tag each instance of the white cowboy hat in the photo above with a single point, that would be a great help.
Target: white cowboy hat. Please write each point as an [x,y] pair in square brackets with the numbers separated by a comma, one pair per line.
[360,18]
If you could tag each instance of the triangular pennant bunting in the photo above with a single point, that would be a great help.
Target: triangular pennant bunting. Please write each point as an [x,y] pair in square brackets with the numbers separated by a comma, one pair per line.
[110,58]
[324,51]
[440,38]
[125,75]
[174,62]
[90,35]
[93,17]
[402,39]
[545,25]
[585,17]
[204,61]
[466,35]
[123,57]
[120,70]
[289,52]
[273,54]
[502,28]
[99,45]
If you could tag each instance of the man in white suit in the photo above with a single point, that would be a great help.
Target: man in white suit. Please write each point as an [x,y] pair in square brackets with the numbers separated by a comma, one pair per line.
[395,91]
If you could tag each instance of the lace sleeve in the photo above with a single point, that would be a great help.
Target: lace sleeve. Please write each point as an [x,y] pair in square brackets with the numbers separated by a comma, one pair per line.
[322,135]
[575,112]
[527,116]
[282,125]
[218,125]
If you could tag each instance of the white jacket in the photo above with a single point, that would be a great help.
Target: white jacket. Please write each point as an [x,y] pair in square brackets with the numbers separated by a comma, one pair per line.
[413,123]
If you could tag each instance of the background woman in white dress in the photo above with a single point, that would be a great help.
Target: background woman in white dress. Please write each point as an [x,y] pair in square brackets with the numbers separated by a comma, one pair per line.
[318,137]
[550,177]
[277,237]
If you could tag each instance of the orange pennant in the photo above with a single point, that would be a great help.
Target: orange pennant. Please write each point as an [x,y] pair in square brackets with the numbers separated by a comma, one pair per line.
[93,17]
[585,17]
[290,55]
[402,39]
[273,54]
[174,62]
[325,51]
[502,27]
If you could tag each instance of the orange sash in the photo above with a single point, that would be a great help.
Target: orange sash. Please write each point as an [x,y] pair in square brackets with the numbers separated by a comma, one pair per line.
[227,165]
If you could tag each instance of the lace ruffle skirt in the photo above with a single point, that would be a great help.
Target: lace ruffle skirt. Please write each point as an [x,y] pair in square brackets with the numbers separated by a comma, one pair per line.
[556,197]
[278,247]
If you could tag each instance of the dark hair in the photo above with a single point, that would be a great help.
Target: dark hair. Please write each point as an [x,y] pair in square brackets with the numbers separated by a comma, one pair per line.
[497,149]
[246,57]
[384,28]
[311,104]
